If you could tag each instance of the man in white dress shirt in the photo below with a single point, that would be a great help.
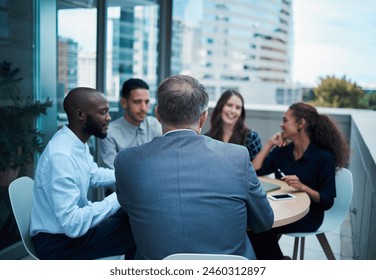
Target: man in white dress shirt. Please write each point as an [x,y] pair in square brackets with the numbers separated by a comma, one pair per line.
[64,223]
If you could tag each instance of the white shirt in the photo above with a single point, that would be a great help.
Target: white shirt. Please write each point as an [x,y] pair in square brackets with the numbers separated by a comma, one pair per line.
[182,129]
[65,172]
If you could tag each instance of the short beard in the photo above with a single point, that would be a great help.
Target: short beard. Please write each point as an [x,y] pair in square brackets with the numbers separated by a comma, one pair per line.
[91,128]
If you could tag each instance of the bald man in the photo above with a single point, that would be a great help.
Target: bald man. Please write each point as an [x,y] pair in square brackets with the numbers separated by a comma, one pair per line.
[64,223]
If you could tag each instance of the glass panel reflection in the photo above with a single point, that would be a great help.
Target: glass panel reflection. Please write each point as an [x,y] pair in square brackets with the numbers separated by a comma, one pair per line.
[241,44]
[132,37]
[77,54]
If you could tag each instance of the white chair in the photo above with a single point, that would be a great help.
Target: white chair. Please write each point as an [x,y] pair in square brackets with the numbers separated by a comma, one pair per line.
[21,194]
[333,218]
[194,256]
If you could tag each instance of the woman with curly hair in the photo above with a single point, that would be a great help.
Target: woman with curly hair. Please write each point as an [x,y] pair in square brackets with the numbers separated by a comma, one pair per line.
[228,123]
[316,150]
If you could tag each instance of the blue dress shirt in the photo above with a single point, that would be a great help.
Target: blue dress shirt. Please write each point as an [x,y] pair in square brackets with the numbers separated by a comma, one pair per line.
[65,172]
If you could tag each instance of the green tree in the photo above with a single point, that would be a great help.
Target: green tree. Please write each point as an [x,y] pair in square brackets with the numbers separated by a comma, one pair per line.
[369,100]
[338,93]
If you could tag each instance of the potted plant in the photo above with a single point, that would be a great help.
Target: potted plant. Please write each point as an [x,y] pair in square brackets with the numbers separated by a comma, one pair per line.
[19,139]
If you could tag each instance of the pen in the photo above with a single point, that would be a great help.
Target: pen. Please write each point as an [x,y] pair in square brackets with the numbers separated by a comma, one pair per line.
[280,172]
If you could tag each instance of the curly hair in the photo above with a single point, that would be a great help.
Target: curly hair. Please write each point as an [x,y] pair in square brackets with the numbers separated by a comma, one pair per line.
[239,135]
[324,131]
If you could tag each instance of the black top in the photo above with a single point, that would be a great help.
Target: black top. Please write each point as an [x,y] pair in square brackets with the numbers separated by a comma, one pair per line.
[315,169]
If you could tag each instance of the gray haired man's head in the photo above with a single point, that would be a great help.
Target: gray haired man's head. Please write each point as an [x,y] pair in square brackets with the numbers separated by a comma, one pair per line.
[182,101]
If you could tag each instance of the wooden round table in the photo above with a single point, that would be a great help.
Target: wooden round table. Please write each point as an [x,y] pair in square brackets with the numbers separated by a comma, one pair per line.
[287,211]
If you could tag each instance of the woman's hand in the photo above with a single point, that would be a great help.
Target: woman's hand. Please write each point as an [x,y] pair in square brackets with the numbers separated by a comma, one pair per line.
[294,181]
[277,140]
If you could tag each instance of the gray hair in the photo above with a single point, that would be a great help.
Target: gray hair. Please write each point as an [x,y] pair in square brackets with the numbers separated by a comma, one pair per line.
[182,100]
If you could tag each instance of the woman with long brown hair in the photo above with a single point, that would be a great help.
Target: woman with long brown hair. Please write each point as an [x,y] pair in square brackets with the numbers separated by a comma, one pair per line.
[316,150]
[228,123]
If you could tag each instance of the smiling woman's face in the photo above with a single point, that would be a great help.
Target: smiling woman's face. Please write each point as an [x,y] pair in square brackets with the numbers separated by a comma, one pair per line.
[232,110]
[289,126]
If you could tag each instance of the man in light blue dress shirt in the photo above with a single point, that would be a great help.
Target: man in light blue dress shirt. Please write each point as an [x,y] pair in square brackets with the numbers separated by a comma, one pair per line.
[132,129]
[64,223]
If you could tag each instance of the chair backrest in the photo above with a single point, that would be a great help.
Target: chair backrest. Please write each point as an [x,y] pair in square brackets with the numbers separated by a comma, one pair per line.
[21,200]
[191,256]
[335,216]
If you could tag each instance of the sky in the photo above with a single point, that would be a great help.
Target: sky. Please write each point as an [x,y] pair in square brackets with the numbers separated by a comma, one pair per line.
[334,37]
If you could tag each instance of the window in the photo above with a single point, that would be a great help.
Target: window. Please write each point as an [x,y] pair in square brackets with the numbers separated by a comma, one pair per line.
[76,49]
[132,37]
[224,38]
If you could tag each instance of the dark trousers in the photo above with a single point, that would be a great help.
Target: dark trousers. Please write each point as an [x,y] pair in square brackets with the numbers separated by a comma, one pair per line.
[112,236]
[265,244]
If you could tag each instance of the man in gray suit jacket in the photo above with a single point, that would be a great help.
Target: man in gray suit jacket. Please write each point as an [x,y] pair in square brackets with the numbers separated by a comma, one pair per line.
[185,192]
